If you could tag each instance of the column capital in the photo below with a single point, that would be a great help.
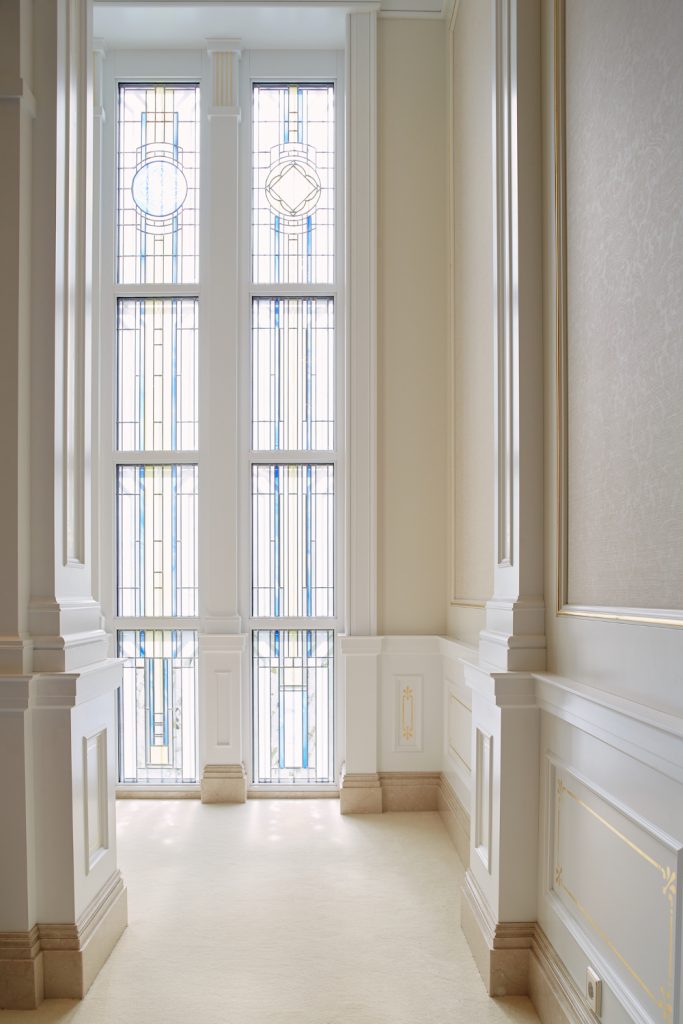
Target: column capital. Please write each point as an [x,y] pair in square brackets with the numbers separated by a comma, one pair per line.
[224,55]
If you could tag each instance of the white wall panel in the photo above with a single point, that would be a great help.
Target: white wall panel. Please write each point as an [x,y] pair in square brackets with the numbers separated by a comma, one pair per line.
[611,849]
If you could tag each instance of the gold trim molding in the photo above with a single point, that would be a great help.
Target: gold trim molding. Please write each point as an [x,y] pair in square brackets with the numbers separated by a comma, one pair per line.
[656,616]
[663,998]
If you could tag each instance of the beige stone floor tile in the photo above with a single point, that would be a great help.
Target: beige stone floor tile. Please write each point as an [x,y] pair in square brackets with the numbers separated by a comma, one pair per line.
[285,912]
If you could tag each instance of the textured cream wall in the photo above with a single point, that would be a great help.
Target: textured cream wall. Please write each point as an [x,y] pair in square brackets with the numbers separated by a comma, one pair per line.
[471,528]
[412,326]
[624,142]
[640,662]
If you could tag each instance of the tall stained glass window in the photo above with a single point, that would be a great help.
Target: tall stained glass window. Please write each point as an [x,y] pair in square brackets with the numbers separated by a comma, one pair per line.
[293,184]
[293,432]
[293,705]
[156,429]
[158,705]
[158,183]
[293,374]
[157,375]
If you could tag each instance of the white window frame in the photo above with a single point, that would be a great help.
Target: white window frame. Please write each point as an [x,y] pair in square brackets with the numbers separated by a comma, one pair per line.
[292,66]
[119,68]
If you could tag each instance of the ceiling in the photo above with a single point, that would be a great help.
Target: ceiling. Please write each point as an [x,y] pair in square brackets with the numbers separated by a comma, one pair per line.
[173,25]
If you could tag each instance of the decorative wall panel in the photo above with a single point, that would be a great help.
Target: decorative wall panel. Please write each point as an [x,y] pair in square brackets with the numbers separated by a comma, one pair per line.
[616,876]
[459,730]
[484,797]
[96,796]
[408,712]
[623,141]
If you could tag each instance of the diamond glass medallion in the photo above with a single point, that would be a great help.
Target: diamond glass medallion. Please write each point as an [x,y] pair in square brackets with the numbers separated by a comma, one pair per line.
[293,188]
[159,188]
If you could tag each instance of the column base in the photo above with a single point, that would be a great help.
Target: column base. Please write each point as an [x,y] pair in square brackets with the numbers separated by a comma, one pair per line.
[21,970]
[501,950]
[224,784]
[61,961]
[360,794]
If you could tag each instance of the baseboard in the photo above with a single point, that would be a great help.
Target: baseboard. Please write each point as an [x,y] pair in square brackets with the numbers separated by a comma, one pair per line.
[456,819]
[61,961]
[140,792]
[501,950]
[554,993]
[410,791]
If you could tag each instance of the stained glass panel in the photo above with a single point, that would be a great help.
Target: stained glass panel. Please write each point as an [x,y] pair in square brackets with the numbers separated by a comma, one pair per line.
[293,374]
[157,540]
[293,184]
[157,706]
[293,540]
[293,678]
[157,374]
[158,183]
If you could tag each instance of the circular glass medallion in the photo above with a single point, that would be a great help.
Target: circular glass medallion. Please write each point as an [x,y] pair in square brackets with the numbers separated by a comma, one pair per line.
[159,188]
[293,188]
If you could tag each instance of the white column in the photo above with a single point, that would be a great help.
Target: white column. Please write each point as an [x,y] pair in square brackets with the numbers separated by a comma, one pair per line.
[499,896]
[17,885]
[514,637]
[360,649]
[221,645]
[361,321]
[68,904]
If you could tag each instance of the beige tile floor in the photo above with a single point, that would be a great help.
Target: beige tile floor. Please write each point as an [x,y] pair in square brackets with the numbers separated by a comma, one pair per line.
[284,912]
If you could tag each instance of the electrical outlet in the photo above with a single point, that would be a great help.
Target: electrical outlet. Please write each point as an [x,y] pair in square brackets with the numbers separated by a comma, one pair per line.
[593,991]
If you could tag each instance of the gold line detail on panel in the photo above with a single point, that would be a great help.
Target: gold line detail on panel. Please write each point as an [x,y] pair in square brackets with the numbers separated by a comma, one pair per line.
[664,1000]
[407,713]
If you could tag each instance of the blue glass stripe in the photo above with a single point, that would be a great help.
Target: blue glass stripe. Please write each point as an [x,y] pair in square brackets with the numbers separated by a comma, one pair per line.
[149,664]
[141,221]
[167,710]
[309,248]
[174,374]
[304,701]
[309,542]
[309,372]
[174,230]
[276,539]
[281,708]
[140,587]
[277,247]
[141,378]
[278,373]
[174,539]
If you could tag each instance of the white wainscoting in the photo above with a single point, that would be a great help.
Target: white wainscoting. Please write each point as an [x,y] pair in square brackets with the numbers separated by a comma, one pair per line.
[410,701]
[611,847]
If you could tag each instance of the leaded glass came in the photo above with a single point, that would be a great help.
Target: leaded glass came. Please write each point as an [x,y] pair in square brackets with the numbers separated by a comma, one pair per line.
[293,184]
[293,540]
[156,355]
[293,374]
[157,706]
[293,680]
[157,540]
[158,184]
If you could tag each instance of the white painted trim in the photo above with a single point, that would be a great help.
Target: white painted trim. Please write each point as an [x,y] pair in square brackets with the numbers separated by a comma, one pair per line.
[361,276]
